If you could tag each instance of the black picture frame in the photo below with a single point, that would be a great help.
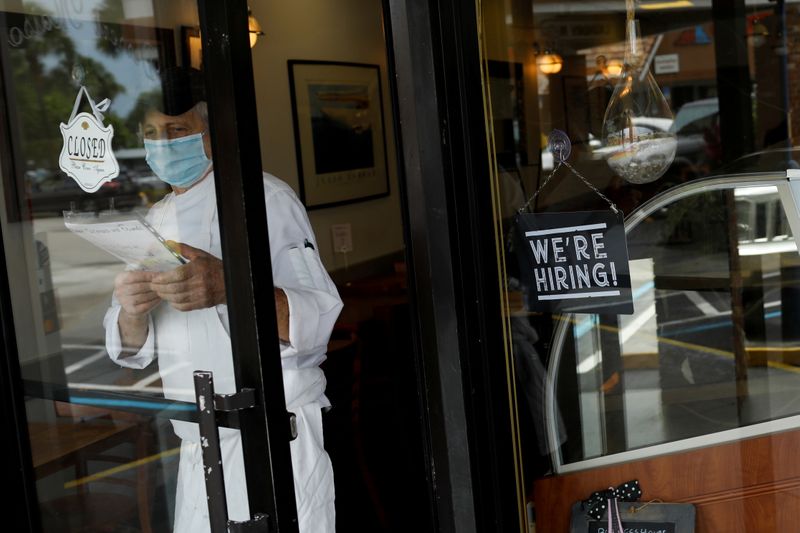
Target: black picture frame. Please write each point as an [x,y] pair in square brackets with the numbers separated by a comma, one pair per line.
[339,131]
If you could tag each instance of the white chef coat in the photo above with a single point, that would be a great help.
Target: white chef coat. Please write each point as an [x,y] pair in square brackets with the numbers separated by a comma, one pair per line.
[183,342]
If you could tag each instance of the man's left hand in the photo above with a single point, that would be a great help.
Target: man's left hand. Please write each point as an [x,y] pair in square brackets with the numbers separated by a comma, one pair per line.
[196,285]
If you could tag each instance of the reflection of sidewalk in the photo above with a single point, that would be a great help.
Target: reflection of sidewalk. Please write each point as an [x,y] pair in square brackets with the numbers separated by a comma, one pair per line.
[82,277]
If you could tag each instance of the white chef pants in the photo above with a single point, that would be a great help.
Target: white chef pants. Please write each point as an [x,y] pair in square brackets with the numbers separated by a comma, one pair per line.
[313,479]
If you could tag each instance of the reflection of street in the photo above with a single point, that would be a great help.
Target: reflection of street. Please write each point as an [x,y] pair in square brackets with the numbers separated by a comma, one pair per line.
[679,366]
[692,391]
[83,279]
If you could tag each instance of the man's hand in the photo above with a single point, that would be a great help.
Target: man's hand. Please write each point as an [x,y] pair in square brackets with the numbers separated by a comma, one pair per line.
[196,285]
[133,291]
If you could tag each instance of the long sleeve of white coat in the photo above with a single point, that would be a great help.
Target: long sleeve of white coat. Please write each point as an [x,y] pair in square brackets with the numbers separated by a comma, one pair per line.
[314,302]
[139,360]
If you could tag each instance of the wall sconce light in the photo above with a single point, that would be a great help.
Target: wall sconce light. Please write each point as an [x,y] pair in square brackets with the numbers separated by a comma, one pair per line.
[254,28]
[614,68]
[547,61]
[606,68]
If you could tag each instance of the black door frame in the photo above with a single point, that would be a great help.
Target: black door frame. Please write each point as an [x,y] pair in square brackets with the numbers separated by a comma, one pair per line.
[230,90]
[450,241]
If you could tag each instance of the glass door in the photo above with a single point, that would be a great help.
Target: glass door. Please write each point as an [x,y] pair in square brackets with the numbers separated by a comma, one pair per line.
[130,267]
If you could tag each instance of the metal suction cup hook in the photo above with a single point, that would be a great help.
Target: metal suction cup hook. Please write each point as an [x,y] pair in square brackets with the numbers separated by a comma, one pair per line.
[78,74]
[560,145]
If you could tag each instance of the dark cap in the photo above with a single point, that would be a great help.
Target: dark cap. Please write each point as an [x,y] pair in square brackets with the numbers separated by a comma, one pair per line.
[182,88]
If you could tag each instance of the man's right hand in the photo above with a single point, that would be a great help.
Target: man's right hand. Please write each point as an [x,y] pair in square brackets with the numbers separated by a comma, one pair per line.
[133,292]
[132,289]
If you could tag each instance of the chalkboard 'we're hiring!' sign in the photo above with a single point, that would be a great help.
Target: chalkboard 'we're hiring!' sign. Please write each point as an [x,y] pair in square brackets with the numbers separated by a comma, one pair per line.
[575,262]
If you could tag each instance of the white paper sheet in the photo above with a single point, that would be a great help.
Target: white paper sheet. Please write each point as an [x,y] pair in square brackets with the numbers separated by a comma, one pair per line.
[131,241]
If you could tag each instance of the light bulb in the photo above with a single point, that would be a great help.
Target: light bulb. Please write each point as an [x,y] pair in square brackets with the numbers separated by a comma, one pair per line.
[550,63]
[633,147]
[254,28]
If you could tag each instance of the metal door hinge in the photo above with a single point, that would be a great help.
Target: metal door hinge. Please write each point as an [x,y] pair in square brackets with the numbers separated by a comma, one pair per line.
[212,456]
[238,401]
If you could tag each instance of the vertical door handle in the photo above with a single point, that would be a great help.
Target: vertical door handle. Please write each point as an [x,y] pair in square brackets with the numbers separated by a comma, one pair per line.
[207,406]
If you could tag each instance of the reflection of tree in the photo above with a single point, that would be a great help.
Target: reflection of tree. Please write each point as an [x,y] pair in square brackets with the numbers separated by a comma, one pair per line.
[45,93]
[110,36]
[147,100]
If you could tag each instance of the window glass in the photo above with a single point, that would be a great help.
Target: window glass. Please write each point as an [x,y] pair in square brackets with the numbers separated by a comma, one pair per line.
[95,102]
[701,377]
[323,93]
[678,351]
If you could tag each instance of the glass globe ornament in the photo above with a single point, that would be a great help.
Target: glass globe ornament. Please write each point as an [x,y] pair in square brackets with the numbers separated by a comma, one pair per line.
[638,143]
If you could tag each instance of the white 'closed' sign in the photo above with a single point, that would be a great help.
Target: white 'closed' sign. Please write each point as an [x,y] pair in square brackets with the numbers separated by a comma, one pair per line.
[86,155]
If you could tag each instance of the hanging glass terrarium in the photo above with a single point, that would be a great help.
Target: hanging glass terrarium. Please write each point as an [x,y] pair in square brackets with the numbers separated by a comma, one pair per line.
[634,149]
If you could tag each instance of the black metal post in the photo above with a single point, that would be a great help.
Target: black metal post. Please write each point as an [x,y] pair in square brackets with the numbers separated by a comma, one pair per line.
[227,63]
[212,457]
[733,78]
[466,370]
[16,447]
[613,386]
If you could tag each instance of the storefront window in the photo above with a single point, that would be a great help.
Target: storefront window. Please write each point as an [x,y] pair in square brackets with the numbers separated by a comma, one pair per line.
[700,381]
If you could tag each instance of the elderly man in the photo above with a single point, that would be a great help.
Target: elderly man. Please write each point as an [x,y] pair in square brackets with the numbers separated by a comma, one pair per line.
[180,317]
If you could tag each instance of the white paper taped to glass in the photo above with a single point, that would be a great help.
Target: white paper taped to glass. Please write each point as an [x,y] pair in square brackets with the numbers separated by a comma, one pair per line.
[128,237]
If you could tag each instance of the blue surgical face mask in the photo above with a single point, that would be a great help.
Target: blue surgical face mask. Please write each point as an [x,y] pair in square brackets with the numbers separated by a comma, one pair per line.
[179,162]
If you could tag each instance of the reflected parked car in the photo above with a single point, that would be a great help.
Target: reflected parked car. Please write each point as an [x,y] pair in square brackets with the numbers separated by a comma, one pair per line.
[643,125]
[694,123]
[51,192]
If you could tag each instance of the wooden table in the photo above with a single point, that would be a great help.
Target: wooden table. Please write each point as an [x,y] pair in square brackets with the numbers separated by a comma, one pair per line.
[61,444]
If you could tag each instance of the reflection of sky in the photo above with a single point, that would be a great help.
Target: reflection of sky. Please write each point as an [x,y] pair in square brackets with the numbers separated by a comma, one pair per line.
[135,76]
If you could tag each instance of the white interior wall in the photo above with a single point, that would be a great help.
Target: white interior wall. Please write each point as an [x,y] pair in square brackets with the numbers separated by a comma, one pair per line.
[345,30]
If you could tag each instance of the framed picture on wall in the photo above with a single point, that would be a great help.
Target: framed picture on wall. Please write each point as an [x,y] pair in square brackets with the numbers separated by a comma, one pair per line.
[339,132]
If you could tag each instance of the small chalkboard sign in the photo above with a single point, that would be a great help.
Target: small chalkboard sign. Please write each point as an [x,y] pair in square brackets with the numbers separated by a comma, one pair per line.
[634,527]
[638,517]
[575,262]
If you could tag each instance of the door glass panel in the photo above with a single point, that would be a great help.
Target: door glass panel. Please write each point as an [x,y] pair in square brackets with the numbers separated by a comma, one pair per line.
[109,408]
[327,130]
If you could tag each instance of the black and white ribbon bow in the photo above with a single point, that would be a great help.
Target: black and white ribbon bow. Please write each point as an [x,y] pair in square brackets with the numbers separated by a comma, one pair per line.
[599,501]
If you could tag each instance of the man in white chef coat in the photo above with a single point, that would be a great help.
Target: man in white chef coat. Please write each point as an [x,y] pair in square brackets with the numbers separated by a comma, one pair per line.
[180,317]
